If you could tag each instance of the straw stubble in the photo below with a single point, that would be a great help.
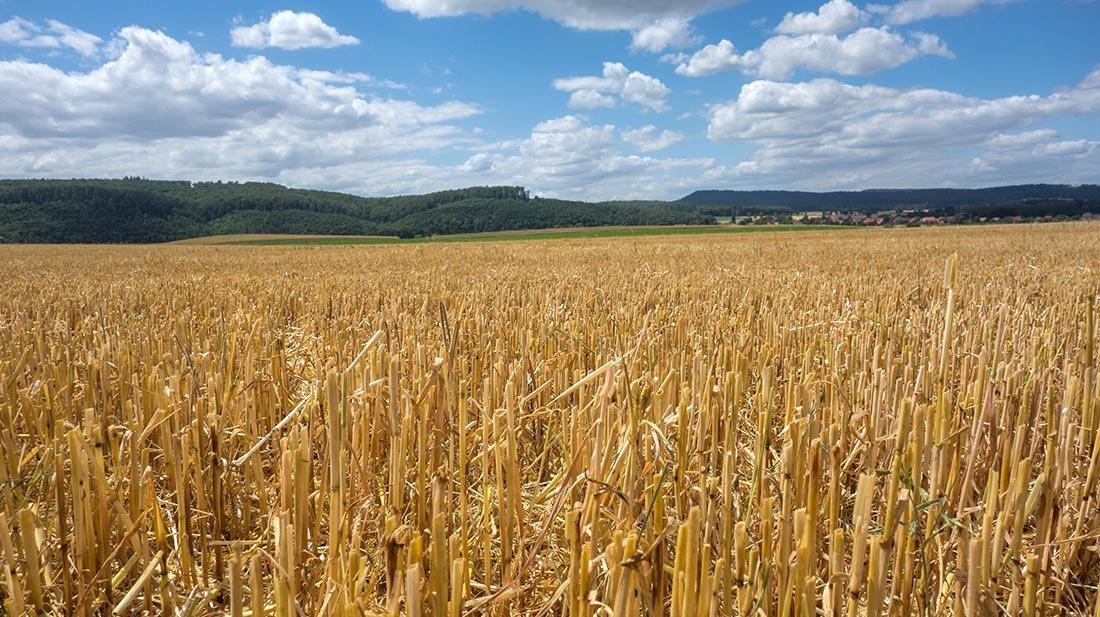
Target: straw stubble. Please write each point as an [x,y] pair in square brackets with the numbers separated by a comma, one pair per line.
[833,424]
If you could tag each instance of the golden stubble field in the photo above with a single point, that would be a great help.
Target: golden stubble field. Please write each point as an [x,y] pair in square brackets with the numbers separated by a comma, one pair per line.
[848,423]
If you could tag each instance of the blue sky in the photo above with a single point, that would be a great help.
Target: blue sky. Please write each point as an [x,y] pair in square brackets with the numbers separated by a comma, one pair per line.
[594,100]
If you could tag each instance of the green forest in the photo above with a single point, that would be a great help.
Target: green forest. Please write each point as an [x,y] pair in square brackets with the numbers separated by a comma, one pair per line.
[134,210]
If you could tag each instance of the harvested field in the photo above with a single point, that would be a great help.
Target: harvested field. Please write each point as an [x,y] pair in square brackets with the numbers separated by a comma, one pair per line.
[762,424]
[280,238]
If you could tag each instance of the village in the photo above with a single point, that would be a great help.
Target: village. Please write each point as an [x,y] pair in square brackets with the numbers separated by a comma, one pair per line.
[903,218]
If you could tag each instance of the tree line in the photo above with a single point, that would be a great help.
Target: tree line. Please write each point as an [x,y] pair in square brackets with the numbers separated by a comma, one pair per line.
[140,211]
[136,210]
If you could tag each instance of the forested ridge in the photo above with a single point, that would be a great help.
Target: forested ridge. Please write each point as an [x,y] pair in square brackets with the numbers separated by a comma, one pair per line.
[135,210]
[139,211]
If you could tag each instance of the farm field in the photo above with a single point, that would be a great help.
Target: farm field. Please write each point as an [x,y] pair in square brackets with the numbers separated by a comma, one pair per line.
[863,422]
[566,233]
[280,238]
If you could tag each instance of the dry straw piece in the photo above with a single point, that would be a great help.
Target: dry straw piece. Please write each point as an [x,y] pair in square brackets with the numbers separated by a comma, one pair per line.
[802,424]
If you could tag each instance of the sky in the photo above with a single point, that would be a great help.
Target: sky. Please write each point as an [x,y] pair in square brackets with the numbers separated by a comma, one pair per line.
[618,99]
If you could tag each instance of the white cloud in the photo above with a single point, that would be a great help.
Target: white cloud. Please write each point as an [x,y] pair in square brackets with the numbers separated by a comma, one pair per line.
[647,139]
[78,40]
[865,51]
[826,133]
[909,11]
[590,99]
[630,86]
[1037,156]
[645,90]
[290,30]
[1023,140]
[55,35]
[563,157]
[931,45]
[582,14]
[674,58]
[664,33]
[162,109]
[566,142]
[656,25]
[870,114]
[340,77]
[834,17]
[612,80]
[157,107]
[714,58]
[480,162]
[569,158]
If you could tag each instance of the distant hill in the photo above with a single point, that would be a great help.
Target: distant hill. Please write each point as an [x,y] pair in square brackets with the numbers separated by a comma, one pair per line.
[135,210]
[730,203]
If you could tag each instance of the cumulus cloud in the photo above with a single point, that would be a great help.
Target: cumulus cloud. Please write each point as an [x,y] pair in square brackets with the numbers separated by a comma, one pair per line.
[53,35]
[909,11]
[155,106]
[290,30]
[582,14]
[590,99]
[834,17]
[566,144]
[714,58]
[612,80]
[648,139]
[630,86]
[568,157]
[1040,155]
[645,90]
[655,25]
[664,33]
[162,109]
[865,51]
[873,135]
[478,163]
[871,114]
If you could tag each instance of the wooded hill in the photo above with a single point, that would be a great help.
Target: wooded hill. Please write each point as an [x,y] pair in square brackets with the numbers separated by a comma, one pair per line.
[137,210]
[134,210]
